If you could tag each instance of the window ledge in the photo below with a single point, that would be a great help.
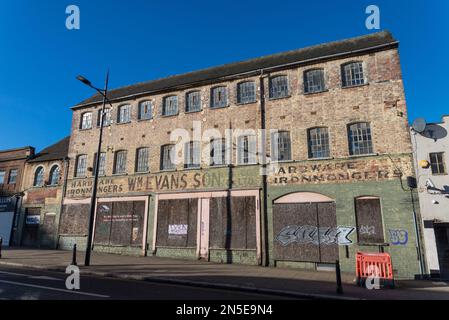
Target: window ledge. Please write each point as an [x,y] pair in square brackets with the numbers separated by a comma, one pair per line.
[245,103]
[169,115]
[315,93]
[279,98]
[246,164]
[355,86]
[193,111]
[192,168]
[282,161]
[215,108]
[119,174]
[141,120]
[142,172]
[318,159]
[167,170]
[363,155]
[121,123]
[85,129]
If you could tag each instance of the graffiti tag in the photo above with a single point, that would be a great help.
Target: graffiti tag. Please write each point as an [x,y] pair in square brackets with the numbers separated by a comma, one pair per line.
[310,234]
[398,236]
[367,230]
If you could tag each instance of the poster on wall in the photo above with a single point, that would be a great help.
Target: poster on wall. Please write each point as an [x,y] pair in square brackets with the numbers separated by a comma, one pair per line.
[7,205]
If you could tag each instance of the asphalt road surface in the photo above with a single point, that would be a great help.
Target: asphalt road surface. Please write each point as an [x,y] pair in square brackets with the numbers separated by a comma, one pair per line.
[24,284]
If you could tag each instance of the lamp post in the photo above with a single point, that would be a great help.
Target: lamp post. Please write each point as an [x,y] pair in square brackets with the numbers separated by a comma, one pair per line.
[103,93]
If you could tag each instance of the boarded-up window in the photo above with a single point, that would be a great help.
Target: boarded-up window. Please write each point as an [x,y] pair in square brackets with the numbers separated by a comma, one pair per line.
[120,223]
[176,223]
[235,229]
[74,219]
[369,220]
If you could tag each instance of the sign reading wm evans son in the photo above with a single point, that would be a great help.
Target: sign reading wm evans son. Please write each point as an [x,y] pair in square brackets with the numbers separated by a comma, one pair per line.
[177,229]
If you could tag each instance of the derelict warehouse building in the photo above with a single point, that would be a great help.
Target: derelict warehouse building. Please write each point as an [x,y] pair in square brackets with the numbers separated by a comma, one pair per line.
[336,137]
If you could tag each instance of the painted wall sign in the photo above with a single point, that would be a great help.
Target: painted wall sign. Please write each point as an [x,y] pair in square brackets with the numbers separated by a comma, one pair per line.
[32,220]
[177,229]
[398,237]
[367,169]
[309,234]
[173,181]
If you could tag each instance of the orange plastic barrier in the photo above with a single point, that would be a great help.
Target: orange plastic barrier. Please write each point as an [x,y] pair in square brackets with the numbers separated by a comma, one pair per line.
[378,265]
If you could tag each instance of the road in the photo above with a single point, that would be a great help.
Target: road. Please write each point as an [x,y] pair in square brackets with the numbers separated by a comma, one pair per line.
[24,284]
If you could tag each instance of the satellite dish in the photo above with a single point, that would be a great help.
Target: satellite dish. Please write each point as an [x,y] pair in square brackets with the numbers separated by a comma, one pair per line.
[419,125]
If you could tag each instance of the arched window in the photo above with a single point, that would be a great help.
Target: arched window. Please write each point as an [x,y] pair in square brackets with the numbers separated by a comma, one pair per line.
[314,81]
[54,175]
[318,141]
[246,92]
[86,120]
[360,141]
[352,74]
[39,177]
[278,87]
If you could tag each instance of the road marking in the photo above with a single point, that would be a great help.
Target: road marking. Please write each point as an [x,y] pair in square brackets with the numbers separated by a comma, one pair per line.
[29,276]
[54,289]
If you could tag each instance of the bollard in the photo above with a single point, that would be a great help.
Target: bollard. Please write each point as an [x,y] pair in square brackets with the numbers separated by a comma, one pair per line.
[1,244]
[74,255]
[338,274]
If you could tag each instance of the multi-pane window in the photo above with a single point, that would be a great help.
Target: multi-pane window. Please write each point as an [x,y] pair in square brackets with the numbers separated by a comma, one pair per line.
[143,160]
[246,149]
[124,113]
[281,146]
[86,120]
[12,176]
[352,74]
[170,106]
[246,92]
[314,81]
[106,117]
[318,141]
[167,157]
[2,176]
[102,167]
[192,155]
[120,162]
[39,177]
[437,163]
[81,165]
[54,175]
[217,152]
[145,110]
[360,141]
[193,101]
[219,97]
[279,87]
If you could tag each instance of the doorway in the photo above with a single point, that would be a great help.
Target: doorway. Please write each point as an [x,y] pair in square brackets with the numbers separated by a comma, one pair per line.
[442,242]
[30,236]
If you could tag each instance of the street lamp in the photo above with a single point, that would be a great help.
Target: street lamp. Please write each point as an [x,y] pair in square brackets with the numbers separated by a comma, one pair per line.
[103,93]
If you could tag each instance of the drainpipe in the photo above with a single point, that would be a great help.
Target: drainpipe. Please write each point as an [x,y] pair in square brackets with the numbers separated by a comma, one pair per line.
[264,220]
[64,189]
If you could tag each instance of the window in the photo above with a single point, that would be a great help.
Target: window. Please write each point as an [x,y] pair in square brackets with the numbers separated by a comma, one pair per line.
[2,177]
[246,149]
[54,175]
[193,101]
[437,163]
[145,110]
[352,74]
[217,152]
[360,139]
[39,177]
[318,140]
[246,92]
[12,176]
[81,165]
[281,146]
[170,106]
[314,81]
[167,157]
[124,114]
[106,117]
[102,167]
[86,120]
[142,160]
[278,87]
[192,154]
[219,97]
[120,162]
[368,216]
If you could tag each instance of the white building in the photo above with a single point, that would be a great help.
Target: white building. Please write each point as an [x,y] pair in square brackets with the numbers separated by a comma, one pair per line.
[431,150]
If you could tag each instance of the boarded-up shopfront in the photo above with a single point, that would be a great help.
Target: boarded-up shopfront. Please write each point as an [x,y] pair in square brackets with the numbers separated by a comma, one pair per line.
[214,226]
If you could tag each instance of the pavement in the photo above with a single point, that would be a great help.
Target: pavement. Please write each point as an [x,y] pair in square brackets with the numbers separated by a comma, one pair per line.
[291,283]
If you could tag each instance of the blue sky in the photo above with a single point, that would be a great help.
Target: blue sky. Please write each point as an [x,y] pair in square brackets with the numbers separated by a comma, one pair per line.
[143,40]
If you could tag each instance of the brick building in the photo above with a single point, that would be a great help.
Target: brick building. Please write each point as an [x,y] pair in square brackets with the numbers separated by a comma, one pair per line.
[335,148]
[12,164]
[43,185]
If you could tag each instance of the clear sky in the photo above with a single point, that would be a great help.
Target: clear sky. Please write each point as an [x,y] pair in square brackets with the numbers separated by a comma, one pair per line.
[143,40]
